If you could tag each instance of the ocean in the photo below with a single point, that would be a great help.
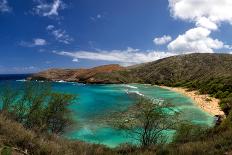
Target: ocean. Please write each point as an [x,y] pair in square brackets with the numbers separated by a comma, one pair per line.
[95,101]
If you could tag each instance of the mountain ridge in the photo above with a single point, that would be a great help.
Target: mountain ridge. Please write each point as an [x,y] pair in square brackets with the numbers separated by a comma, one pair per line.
[75,75]
[207,73]
[166,71]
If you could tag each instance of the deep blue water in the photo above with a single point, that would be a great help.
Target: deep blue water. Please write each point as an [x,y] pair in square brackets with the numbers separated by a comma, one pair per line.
[13,76]
[97,100]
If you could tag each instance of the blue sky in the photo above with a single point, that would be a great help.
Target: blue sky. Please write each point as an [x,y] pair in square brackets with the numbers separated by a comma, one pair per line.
[40,34]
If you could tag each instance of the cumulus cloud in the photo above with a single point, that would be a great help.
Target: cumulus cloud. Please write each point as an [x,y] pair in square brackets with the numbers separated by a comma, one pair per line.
[215,11]
[4,7]
[35,42]
[126,57]
[43,8]
[195,40]
[162,40]
[59,34]
[207,17]
[206,23]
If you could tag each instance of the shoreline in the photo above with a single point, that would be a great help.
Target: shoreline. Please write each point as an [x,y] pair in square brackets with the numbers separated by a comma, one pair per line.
[203,101]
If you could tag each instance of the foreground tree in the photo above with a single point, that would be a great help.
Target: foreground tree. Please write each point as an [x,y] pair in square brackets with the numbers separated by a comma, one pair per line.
[8,96]
[147,121]
[57,115]
[38,108]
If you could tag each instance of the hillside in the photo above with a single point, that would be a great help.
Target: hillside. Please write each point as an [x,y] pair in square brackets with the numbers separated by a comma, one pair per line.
[208,73]
[184,68]
[168,71]
[77,75]
[178,70]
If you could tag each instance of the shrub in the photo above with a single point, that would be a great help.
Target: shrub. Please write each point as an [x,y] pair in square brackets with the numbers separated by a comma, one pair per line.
[146,121]
[226,105]
[187,132]
[38,108]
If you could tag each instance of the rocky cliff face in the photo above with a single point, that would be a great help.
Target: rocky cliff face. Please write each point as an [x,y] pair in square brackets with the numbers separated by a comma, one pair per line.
[78,75]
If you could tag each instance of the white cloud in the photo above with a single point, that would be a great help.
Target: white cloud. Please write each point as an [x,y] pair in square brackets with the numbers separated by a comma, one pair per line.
[126,57]
[59,34]
[162,40]
[75,60]
[206,23]
[18,70]
[4,7]
[214,10]
[207,16]
[195,40]
[39,42]
[50,27]
[49,9]
[35,42]
[27,69]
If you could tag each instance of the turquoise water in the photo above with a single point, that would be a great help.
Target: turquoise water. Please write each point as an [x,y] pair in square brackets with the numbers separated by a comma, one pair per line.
[98,100]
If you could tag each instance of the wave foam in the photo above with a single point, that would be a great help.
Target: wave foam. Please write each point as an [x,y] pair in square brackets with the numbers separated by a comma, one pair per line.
[132,87]
[22,80]
[134,92]
[61,81]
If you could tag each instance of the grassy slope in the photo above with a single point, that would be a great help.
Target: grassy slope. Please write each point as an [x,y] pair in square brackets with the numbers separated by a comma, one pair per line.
[16,137]
[182,68]
[20,140]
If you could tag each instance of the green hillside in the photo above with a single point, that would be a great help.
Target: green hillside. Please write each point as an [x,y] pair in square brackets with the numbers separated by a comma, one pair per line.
[208,73]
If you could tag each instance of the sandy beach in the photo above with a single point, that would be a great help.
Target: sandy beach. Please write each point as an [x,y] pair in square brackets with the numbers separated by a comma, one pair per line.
[205,102]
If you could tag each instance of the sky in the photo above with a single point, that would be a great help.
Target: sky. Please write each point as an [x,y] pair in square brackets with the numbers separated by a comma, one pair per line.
[39,34]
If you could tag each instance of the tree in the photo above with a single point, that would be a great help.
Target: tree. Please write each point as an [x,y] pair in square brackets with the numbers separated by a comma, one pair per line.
[57,115]
[36,96]
[8,96]
[37,107]
[147,121]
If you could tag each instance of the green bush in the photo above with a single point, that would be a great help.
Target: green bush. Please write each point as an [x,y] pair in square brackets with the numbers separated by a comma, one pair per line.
[6,151]
[38,108]
[187,132]
[226,105]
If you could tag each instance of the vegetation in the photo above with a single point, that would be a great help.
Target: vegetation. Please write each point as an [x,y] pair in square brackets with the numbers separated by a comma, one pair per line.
[16,139]
[37,107]
[146,122]
[188,132]
[37,111]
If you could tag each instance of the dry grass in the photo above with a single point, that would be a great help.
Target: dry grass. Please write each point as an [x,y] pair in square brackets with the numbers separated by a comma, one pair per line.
[20,140]
[13,134]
